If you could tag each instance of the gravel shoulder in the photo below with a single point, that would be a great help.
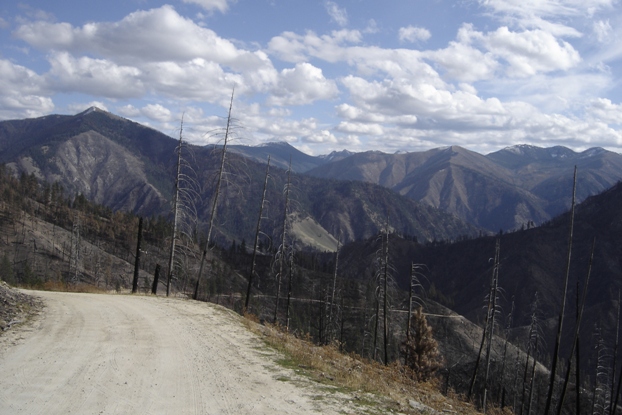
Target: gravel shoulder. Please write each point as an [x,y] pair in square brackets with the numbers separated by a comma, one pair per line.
[121,354]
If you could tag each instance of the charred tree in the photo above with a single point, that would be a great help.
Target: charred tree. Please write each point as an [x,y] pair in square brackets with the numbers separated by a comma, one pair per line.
[215,201]
[489,313]
[156,279]
[552,379]
[171,259]
[492,320]
[332,296]
[137,259]
[256,242]
[576,333]
[289,289]
[283,248]
[614,364]
[505,350]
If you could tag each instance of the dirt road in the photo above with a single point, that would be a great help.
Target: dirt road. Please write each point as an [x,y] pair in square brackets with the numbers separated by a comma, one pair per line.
[119,354]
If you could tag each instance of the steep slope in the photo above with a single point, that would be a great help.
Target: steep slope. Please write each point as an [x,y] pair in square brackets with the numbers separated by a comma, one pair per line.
[353,210]
[106,158]
[91,163]
[547,172]
[453,179]
[532,261]
[505,190]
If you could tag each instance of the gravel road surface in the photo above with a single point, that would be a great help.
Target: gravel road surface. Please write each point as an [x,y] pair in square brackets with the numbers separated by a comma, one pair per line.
[121,354]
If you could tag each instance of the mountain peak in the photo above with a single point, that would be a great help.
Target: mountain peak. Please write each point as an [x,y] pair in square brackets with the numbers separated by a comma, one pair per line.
[90,110]
[594,151]
[96,110]
[336,155]
[282,144]
[531,152]
[521,148]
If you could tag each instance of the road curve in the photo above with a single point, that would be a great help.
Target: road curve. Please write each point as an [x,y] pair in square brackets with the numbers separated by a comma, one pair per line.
[120,354]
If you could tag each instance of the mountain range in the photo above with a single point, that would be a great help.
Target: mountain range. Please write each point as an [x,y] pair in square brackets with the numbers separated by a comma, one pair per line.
[124,165]
[507,189]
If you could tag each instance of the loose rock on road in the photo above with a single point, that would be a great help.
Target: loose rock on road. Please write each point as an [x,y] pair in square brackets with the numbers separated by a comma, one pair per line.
[119,354]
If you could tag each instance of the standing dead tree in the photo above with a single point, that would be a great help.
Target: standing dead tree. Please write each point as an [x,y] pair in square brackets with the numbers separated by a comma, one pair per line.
[382,279]
[137,258]
[256,242]
[600,391]
[616,395]
[489,323]
[331,329]
[413,297]
[216,196]
[532,349]
[508,326]
[75,259]
[493,292]
[552,379]
[174,237]
[289,288]
[281,253]
[185,215]
[532,378]
[385,302]
[576,334]
[614,364]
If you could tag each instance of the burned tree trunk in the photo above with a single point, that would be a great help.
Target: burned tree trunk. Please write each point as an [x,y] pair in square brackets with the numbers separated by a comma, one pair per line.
[137,260]
[489,313]
[283,249]
[332,297]
[156,279]
[492,320]
[549,398]
[576,332]
[215,202]
[255,244]
[171,260]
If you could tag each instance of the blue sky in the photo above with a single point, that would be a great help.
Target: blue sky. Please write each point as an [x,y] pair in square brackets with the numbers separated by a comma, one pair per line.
[327,75]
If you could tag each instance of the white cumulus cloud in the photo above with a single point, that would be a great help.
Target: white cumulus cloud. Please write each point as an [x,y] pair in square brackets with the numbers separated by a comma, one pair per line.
[604,110]
[157,112]
[531,51]
[23,93]
[94,76]
[156,35]
[301,85]
[413,34]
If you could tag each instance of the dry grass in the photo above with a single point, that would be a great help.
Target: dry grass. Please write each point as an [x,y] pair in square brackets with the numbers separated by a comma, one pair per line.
[74,288]
[388,385]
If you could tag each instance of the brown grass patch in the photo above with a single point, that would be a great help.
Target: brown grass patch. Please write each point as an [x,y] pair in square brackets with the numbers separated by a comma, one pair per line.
[73,288]
[389,385]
